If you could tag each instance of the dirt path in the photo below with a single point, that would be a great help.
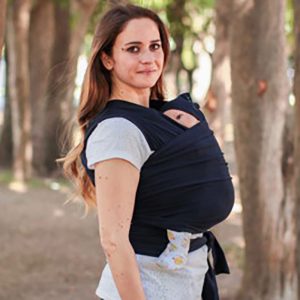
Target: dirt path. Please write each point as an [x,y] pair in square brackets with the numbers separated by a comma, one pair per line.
[49,252]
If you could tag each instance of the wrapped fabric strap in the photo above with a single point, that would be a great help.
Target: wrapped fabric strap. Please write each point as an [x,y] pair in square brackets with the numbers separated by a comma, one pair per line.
[220,265]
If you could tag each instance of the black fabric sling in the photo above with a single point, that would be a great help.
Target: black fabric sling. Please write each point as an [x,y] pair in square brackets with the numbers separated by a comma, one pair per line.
[184,185]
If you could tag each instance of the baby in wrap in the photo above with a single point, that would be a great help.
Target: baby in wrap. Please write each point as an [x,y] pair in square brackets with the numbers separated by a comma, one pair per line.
[175,254]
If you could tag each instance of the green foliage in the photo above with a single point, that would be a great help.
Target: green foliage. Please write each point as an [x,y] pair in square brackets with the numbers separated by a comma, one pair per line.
[289,24]
[188,57]
[64,4]
[87,44]
[96,16]
[156,5]
[204,4]
[192,21]
[74,19]
[10,2]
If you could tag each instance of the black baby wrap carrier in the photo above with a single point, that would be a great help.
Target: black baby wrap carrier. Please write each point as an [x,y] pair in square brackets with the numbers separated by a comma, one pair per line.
[184,185]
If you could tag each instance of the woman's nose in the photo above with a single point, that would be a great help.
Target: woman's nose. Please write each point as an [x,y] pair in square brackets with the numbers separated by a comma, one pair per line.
[146,56]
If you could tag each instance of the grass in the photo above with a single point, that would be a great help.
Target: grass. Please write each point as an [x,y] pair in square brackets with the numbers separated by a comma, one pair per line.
[6,178]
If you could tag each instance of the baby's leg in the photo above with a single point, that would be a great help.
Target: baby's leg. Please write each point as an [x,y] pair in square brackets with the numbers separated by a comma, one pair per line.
[182,117]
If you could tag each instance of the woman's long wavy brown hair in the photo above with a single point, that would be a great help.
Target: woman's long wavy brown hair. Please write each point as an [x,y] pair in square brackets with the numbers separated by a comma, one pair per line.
[97,87]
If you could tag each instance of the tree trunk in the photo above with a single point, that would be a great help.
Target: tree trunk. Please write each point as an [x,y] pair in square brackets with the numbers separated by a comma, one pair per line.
[297,132]
[59,104]
[176,13]
[6,149]
[259,94]
[2,23]
[220,82]
[17,43]
[41,44]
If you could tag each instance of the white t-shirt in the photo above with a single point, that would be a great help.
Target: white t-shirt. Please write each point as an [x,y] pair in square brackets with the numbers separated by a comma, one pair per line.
[117,137]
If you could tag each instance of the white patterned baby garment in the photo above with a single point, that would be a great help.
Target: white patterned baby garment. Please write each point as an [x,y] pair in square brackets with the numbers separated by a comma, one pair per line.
[175,254]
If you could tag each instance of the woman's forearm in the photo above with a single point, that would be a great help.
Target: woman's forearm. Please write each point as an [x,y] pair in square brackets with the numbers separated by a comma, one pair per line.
[122,261]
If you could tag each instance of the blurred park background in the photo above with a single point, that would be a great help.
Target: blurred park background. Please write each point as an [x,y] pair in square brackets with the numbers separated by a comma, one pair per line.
[240,59]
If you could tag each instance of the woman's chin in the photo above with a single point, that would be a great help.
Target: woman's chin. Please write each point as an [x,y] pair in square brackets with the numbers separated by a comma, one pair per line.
[146,84]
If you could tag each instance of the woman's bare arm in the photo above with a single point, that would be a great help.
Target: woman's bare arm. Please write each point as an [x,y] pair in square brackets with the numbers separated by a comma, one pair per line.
[116,184]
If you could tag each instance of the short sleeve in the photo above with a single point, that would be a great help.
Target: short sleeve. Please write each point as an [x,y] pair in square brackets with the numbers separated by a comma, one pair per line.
[117,137]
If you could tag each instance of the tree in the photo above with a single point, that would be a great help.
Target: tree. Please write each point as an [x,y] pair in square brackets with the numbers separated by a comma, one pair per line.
[44,40]
[297,131]
[41,37]
[6,149]
[259,94]
[2,22]
[219,101]
[71,22]
[176,12]
[18,82]
[188,23]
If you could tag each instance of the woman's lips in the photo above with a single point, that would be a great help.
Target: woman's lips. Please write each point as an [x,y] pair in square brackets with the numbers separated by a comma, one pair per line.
[146,71]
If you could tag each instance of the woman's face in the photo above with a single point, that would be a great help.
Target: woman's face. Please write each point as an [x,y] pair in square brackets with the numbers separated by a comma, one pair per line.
[137,56]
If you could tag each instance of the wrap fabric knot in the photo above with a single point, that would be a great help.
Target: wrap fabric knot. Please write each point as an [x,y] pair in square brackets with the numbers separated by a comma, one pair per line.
[175,256]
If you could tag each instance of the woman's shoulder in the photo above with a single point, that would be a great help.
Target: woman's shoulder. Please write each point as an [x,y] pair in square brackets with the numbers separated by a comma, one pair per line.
[120,127]
[117,137]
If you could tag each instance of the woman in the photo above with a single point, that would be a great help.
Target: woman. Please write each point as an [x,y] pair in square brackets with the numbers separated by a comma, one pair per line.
[151,167]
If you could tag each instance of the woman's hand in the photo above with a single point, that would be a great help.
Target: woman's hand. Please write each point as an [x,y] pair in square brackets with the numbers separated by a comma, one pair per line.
[182,117]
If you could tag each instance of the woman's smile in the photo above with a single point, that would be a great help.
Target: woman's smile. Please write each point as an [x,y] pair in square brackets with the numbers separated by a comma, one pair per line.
[147,72]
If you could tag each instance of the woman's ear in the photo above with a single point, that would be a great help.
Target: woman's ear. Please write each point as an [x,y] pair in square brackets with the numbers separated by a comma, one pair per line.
[106,61]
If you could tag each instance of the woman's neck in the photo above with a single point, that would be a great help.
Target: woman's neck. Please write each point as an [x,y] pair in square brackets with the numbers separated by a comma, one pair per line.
[140,97]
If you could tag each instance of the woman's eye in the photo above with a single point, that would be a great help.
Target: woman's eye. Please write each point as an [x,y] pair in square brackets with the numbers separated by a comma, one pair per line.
[155,46]
[133,49]
[136,49]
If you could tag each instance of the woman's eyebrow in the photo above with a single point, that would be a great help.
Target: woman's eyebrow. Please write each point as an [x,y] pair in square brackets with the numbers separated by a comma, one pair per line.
[137,42]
